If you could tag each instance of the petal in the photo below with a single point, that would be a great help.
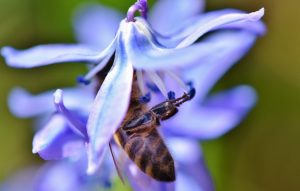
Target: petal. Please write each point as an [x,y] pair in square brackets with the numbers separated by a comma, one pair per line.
[96,25]
[194,177]
[192,24]
[192,173]
[218,115]
[209,70]
[221,20]
[140,181]
[60,176]
[56,140]
[166,14]
[25,105]
[109,109]
[145,53]
[52,53]
[182,147]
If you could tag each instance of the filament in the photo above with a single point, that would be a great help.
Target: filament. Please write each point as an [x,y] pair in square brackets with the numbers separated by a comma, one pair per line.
[97,68]
[140,81]
[176,78]
[156,79]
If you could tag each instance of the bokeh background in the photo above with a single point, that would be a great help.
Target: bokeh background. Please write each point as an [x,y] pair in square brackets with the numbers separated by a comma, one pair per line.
[262,154]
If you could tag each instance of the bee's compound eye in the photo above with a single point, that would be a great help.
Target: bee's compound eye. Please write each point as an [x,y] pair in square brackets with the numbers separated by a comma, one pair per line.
[136,122]
[161,109]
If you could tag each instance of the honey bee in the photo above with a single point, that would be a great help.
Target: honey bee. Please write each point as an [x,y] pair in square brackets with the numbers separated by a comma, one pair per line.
[139,137]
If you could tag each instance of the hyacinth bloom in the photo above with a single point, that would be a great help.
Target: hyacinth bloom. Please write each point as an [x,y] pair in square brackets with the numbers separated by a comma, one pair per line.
[156,47]
[60,136]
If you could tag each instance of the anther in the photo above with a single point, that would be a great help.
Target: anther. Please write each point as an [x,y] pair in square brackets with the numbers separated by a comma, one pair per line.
[171,95]
[192,93]
[152,87]
[145,98]
[82,80]
[191,89]
[189,84]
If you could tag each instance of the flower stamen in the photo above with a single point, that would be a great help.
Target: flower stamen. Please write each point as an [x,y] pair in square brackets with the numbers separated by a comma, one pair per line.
[152,87]
[171,95]
[93,72]
[140,81]
[145,98]
[191,90]
[156,79]
[176,78]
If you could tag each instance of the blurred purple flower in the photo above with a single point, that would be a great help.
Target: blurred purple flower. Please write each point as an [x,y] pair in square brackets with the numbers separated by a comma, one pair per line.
[157,49]
[62,137]
[59,176]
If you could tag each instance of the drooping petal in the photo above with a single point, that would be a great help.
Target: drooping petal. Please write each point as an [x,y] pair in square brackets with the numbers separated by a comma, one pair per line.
[25,105]
[56,140]
[52,53]
[109,109]
[166,14]
[191,172]
[96,25]
[218,115]
[217,23]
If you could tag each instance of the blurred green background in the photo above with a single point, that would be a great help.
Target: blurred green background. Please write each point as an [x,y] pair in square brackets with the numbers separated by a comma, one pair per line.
[262,154]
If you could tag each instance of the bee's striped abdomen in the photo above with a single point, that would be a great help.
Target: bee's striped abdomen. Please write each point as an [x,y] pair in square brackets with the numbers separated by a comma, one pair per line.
[150,154]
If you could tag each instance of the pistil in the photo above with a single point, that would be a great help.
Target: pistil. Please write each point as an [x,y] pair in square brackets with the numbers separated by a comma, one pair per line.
[141,6]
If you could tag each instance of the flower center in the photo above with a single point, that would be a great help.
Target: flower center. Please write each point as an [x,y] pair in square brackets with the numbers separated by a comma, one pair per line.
[155,82]
[141,6]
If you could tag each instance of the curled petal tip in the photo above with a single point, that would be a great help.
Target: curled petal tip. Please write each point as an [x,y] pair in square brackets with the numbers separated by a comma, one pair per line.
[58,96]
[34,150]
[6,50]
[91,169]
[255,16]
[246,93]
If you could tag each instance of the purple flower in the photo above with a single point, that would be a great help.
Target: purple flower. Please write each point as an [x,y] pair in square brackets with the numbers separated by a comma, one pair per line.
[60,176]
[167,50]
[61,135]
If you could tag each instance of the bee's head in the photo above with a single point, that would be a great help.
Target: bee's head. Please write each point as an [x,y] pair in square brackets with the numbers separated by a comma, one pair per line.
[165,110]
